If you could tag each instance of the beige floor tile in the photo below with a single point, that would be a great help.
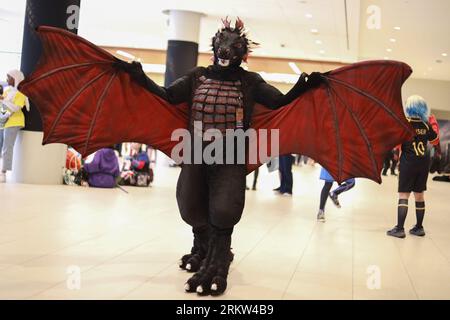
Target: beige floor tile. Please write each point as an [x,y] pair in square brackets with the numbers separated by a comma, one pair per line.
[95,284]
[312,286]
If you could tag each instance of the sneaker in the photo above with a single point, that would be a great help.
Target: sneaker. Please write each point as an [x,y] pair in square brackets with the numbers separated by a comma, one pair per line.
[321,216]
[286,194]
[2,177]
[277,189]
[334,198]
[417,231]
[396,232]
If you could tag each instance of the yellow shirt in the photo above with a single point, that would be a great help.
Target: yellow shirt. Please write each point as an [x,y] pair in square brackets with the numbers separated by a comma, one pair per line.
[17,119]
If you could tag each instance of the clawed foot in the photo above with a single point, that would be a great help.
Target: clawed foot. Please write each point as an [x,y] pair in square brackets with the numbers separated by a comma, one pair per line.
[211,278]
[209,281]
[191,262]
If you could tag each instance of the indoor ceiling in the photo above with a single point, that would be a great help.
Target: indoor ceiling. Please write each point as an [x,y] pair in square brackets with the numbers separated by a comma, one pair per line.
[423,38]
[283,27]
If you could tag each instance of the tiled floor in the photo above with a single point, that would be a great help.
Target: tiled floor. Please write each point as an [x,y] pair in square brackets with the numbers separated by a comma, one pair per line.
[126,246]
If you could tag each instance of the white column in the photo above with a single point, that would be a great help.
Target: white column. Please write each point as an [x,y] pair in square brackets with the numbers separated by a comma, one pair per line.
[184,25]
[34,163]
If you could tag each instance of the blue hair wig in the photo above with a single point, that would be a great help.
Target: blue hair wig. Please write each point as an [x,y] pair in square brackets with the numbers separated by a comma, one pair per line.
[416,106]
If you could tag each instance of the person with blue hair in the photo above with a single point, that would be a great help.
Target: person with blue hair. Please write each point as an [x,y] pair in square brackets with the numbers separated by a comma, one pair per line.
[329,180]
[416,107]
[414,166]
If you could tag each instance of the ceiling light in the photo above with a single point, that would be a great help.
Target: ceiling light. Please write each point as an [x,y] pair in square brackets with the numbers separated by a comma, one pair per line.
[389,50]
[125,54]
[396,28]
[322,51]
[294,68]
[314,30]
[308,15]
[319,42]
[444,54]
[386,58]
[392,40]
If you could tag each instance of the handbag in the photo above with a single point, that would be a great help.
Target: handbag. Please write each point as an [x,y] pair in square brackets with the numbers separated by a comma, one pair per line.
[4,116]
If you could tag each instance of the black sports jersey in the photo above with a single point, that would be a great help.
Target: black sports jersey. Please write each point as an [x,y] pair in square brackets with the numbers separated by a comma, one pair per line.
[415,151]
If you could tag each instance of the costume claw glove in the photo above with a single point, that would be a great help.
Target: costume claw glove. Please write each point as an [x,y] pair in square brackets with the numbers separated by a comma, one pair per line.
[134,68]
[313,80]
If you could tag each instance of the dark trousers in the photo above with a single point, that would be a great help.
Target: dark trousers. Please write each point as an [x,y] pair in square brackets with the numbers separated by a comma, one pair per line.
[389,162]
[255,178]
[285,167]
[344,186]
[211,194]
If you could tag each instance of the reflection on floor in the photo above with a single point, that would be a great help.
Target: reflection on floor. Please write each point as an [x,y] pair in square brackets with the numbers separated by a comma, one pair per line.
[59,242]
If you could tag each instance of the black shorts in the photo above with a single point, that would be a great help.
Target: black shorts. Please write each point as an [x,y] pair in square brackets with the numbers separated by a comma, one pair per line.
[412,178]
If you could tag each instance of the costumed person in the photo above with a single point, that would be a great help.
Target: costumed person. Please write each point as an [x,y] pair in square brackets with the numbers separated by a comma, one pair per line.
[414,166]
[103,170]
[330,117]
[12,119]
[436,164]
[325,193]
[211,197]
